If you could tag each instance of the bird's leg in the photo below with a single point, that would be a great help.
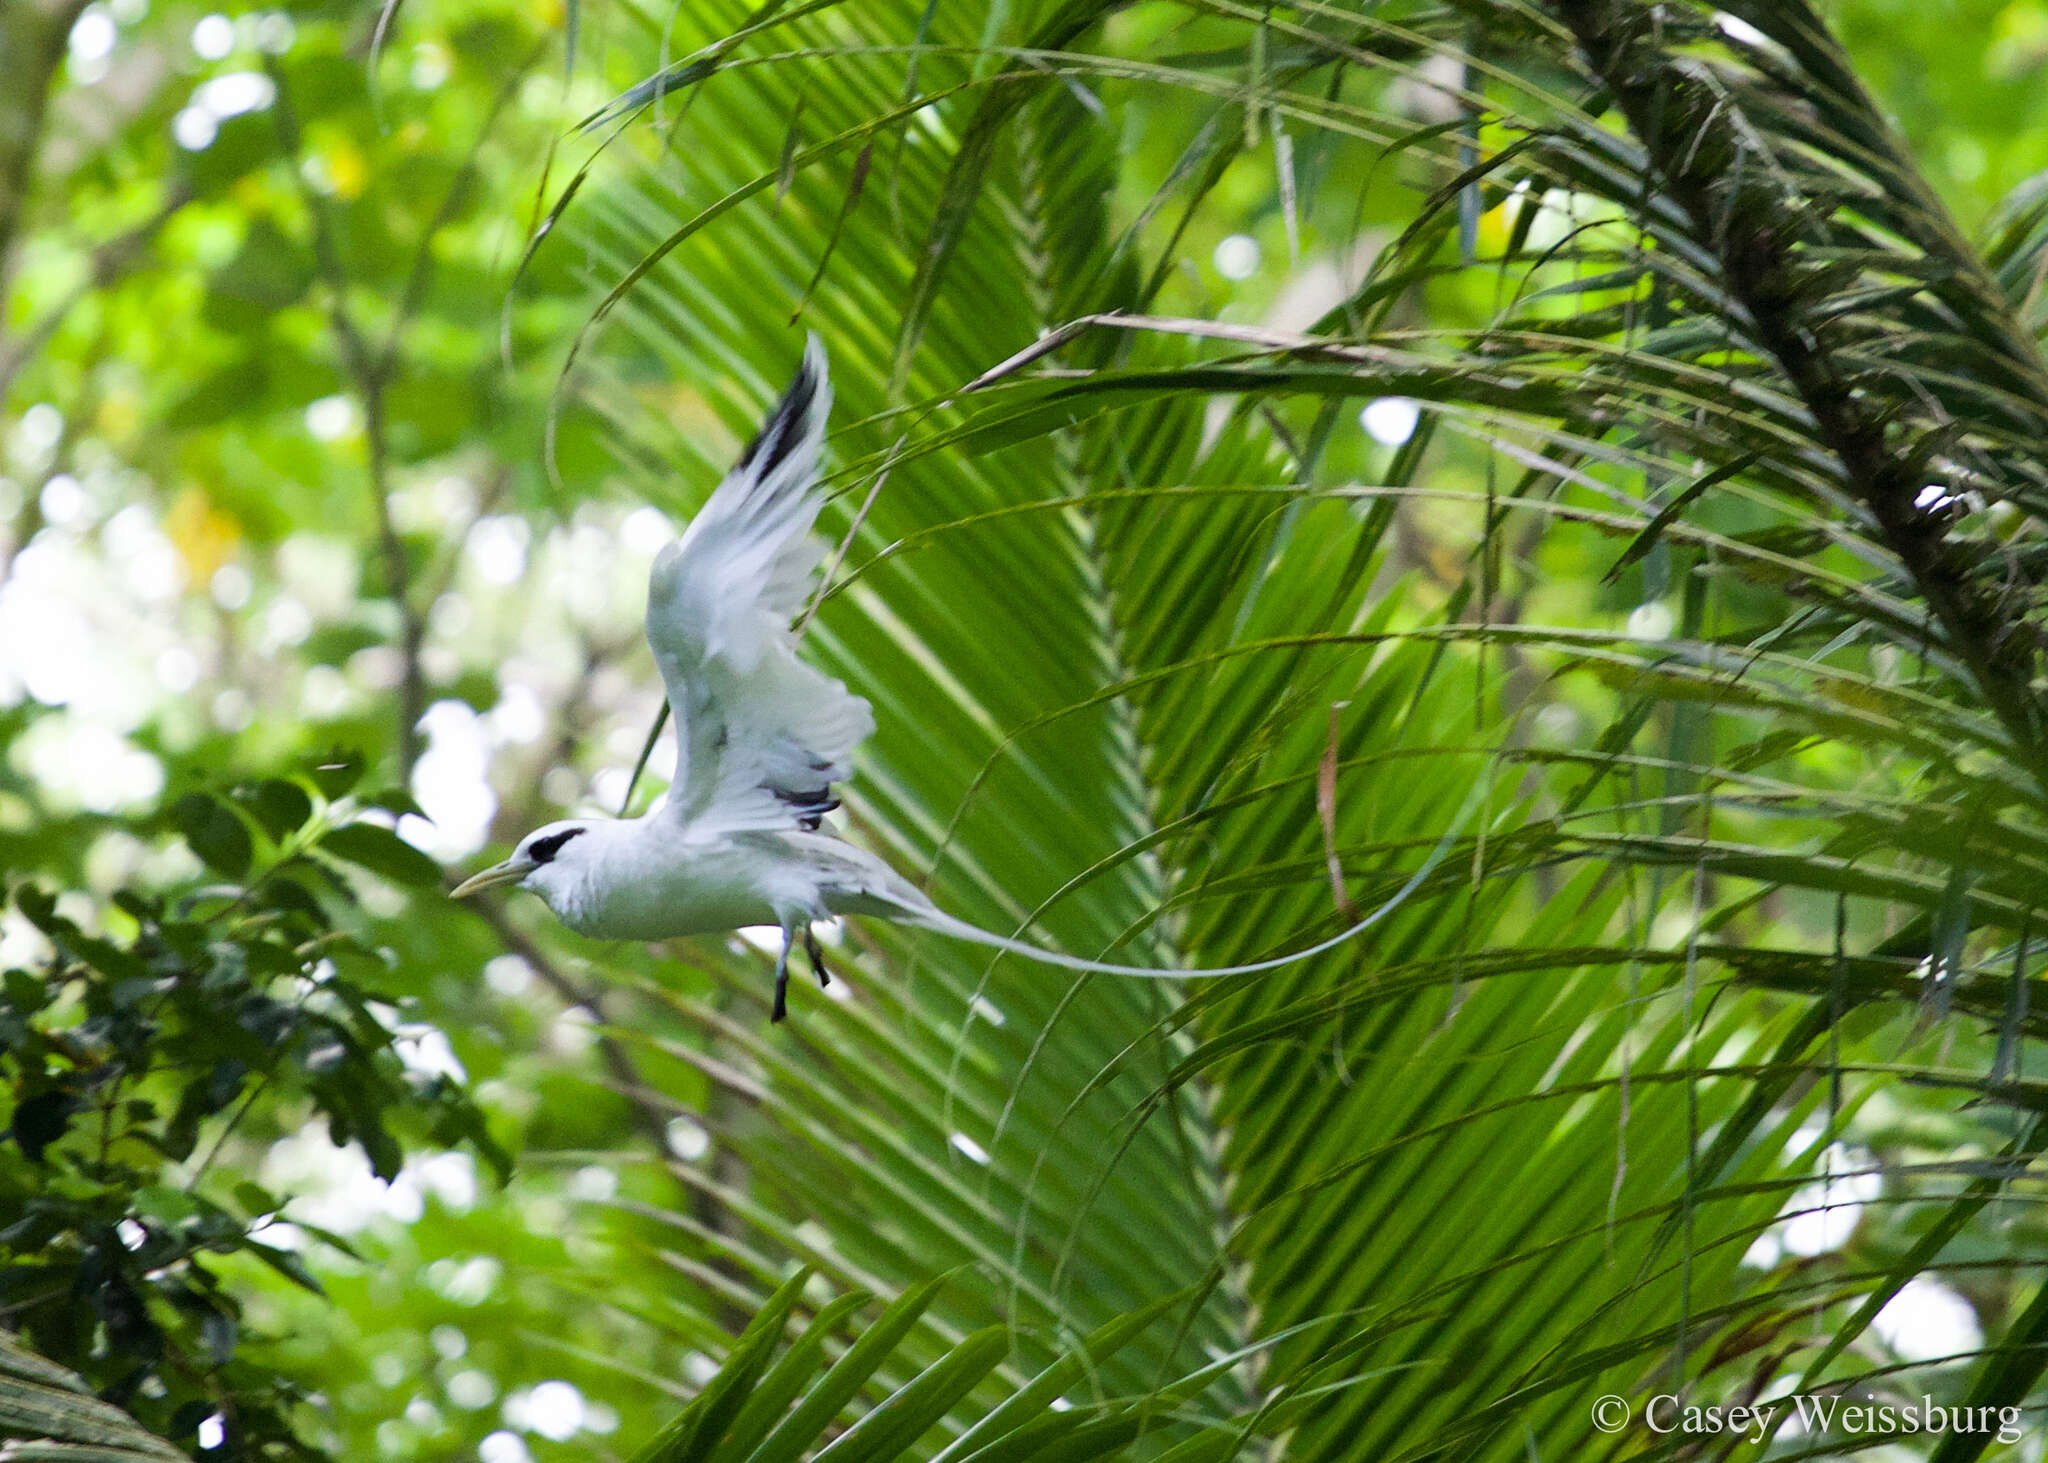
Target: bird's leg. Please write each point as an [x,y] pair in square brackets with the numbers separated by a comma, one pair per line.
[817,958]
[782,975]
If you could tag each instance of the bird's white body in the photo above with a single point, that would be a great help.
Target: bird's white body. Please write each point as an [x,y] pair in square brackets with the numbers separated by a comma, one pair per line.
[761,737]
[636,879]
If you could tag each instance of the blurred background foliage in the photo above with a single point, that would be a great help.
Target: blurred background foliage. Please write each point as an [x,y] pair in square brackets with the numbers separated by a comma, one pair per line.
[1455,547]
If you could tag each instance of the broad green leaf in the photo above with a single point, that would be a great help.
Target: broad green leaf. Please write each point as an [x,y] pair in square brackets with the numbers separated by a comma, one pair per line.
[214,833]
[382,852]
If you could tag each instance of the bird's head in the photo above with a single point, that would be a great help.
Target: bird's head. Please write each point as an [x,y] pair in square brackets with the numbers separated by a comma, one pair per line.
[548,860]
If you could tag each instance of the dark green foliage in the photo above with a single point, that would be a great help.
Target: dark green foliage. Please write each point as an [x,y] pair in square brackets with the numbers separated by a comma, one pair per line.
[130,1057]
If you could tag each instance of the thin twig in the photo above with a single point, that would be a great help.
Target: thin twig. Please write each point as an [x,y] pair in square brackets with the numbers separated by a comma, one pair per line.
[420,277]
[839,553]
[110,262]
[1256,336]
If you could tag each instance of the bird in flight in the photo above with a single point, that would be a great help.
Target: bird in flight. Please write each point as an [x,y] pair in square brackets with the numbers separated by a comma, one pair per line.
[761,737]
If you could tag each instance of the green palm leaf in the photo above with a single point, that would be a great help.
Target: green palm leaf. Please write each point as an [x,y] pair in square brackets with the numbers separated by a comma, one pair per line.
[1159,670]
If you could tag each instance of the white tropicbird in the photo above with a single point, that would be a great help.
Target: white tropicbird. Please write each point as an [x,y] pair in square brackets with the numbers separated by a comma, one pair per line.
[760,739]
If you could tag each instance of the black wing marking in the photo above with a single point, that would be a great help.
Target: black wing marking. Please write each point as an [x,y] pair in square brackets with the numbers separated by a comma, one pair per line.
[782,433]
[810,805]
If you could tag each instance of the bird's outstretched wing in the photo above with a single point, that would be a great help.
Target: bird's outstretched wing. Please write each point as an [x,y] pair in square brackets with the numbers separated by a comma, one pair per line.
[760,736]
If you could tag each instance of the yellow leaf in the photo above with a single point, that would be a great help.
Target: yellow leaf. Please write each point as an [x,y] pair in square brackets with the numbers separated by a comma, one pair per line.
[1497,224]
[347,170]
[204,537]
[120,416]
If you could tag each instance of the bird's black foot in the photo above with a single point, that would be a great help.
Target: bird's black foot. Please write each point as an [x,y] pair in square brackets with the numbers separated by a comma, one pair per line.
[782,979]
[817,958]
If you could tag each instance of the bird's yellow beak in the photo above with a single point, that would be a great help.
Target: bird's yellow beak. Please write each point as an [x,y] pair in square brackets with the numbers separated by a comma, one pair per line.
[509,872]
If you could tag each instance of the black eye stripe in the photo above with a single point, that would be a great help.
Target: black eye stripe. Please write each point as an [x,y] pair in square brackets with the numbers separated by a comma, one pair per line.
[541,850]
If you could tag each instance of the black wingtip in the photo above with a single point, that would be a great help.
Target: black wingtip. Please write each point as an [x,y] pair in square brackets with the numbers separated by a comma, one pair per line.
[785,425]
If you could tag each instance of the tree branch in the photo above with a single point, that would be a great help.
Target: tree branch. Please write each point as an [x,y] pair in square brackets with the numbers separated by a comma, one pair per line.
[33,35]
[371,372]
[368,373]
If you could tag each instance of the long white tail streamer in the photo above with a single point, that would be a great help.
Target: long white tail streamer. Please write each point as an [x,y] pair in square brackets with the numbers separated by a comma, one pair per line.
[935,919]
